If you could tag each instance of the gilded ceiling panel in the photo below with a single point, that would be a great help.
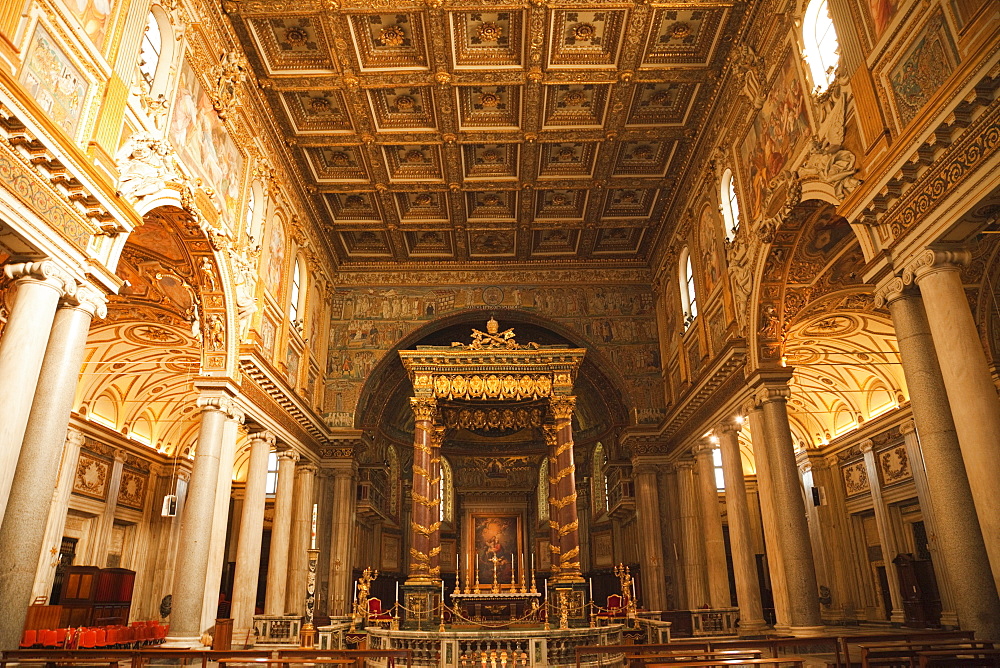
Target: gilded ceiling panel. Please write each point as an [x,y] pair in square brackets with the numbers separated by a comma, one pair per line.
[661,103]
[353,207]
[562,204]
[317,112]
[629,202]
[492,205]
[409,108]
[413,162]
[423,206]
[558,241]
[429,243]
[576,105]
[586,39]
[489,107]
[389,41]
[642,158]
[489,40]
[560,160]
[492,243]
[333,164]
[292,44]
[366,243]
[490,161]
[683,36]
[618,240]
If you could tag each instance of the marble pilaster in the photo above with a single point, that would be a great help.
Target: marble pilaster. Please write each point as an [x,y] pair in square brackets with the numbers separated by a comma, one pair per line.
[22,532]
[192,563]
[38,287]
[890,546]
[972,395]
[248,547]
[281,530]
[693,552]
[711,527]
[740,537]
[786,488]
[298,558]
[644,472]
[957,530]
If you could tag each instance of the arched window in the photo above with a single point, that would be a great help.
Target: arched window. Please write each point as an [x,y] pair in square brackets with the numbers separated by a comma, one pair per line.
[296,293]
[730,205]
[152,45]
[822,51]
[689,300]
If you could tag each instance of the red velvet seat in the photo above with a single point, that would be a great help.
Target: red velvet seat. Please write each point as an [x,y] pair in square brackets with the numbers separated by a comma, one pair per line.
[375,613]
[48,638]
[88,639]
[29,639]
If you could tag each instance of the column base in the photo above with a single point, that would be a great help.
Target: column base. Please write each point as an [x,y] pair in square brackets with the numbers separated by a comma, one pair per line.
[422,606]
[949,619]
[183,642]
[897,618]
[752,630]
[782,630]
[807,631]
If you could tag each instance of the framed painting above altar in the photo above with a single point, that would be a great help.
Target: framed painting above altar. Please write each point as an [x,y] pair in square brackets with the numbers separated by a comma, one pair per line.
[496,541]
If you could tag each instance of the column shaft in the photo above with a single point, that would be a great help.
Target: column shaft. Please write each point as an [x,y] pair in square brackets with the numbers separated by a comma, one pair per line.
[425,523]
[248,549]
[342,537]
[298,558]
[740,537]
[956,527]
[37,473]
[971,392]
[562,494]
[281,529]
[769,519]
[886,537]
[711,527]
[223,510]
[45,575]
[191,567]
[793,528]
[648,517]
[695,577]
[37,289]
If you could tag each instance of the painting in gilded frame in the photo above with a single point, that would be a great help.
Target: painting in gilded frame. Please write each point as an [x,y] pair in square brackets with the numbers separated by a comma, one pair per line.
[779,132]
[929,61]
[203,143]
[496,542]
[54,82]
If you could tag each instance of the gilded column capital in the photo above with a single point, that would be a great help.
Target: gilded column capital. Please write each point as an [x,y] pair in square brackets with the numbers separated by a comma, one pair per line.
[934,260]
[424,408]
[46,273]
[549,431]
[562,407]
[89,300]
[437,436]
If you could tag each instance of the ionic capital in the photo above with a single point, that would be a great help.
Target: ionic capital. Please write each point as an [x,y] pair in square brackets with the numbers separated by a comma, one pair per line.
[703,448]
[934,260]
[89,300]
[46,273]
[562,407]
[769,393]
[729,425]
[75,437]
[265,436]
[890,290]
[222,404]
[306,468]
[424,408]
[684,465]
[907,427]
[642,469]
[866,445]
[288,456]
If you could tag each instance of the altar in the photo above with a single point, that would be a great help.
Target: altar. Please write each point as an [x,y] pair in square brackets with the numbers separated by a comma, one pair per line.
[494,607]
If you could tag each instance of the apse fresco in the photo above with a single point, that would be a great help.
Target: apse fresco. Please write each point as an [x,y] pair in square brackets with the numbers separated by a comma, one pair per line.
[368,322]
[203,142]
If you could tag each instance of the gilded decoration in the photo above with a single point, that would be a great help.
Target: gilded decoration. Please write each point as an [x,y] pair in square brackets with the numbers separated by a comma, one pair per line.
[894,465]
[132,489]
[93,475]
[855,477]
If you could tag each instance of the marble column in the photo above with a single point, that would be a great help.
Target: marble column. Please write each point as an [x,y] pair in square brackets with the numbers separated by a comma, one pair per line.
[957,530]
[191,566]
[692,539]
[711,527]
[562,495]
[890,547]
[324,520]
[47,559]
[425,520]
[342,529]
[99,548]
[281,530]
[769,518]
[647,510]
[786,488]
[38,287]
[971,392]
[740,536]
[949,617]
[248,547]
[22,532]
[223,509]
[670,508]
[298,558]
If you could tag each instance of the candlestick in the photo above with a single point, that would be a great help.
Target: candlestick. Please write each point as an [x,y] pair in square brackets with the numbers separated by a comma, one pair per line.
[590,581]
[397,592]
[512,580]
[313,544]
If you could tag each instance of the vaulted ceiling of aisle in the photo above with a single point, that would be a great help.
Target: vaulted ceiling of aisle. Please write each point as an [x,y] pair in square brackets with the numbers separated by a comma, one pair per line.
[465,133]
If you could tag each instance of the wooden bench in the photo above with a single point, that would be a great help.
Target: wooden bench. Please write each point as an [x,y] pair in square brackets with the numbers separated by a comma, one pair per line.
[904,654]
[790,661]
[874,638]
[68,657]
[954,658]
[670,658]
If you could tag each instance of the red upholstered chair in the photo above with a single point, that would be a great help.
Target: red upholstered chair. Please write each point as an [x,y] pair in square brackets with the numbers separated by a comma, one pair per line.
[617,608]
[49,638]
[376,615]
[88,639]
[29,639]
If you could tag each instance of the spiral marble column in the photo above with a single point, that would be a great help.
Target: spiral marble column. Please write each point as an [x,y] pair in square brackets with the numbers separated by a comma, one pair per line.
[563,516]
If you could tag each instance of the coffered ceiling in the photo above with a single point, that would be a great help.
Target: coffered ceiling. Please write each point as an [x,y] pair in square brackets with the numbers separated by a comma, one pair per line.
[454,134]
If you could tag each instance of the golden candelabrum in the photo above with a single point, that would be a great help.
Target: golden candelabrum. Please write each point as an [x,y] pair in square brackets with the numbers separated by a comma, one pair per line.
[496,584]
[364,586]
[624,575]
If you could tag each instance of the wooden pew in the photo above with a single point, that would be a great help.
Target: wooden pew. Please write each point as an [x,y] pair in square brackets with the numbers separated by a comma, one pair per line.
[847,641]
[955,658]
[904,654]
